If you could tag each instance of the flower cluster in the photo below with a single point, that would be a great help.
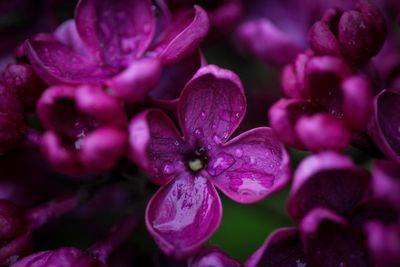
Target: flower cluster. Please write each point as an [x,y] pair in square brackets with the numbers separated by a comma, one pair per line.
[128,114]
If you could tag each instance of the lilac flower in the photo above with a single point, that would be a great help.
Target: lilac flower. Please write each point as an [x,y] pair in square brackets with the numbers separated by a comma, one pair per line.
[186,210]
[85,129]
[127,60]
[384,126]
[12,125]
[329,104]
[355,35]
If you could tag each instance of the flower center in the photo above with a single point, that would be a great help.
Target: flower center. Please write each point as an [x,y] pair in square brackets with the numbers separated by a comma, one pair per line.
[195,164]
[196,159]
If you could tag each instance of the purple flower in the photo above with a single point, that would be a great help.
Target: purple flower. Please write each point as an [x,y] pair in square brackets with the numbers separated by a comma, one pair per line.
[85,129]
[355,35]
[186,210]
[12,125]
[127,60]
[384,126]
[329,104]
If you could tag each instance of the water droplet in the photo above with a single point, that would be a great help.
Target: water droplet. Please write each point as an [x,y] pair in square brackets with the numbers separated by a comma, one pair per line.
[213,126]
[238,152]
[225,135]
[176,143]
[220,163]
[167,168]
[237,114]
[217,140]
[209,147]
[198,133]
[203,115]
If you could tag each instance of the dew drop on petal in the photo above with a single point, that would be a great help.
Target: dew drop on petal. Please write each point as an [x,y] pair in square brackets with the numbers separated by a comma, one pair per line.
[203,115]
[213,126]
[198,133]
[220,163]
[217,140]
[167,167]
[239,152]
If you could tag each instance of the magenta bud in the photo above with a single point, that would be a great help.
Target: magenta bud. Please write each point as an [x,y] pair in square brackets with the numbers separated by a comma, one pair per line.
[24,83]
[355,35]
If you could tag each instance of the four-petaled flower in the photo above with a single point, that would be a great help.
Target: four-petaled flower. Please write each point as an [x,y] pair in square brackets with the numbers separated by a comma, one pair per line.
[186,210]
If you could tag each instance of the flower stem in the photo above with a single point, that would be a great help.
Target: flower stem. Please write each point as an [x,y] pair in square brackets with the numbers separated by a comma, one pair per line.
[118,235]
[43,214]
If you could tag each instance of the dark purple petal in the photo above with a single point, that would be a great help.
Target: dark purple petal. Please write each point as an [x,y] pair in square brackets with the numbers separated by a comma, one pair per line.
[133,84]
[283,116]
[156,145]
[384,244]
[68,35]
[361,34]
[174,78]
[117,32]
[12,125]
[12,249]
[211,105]
[282,248]
[293,76]
[25,84]
[386,182]
[321,37]
[38,259]
[212,257]
[183,214]
[329,241]
[265,41]
[182,36]
[357,102]
[327,180]
[12,220]
[323,132]
[56,64]
[384,127]
[251,166]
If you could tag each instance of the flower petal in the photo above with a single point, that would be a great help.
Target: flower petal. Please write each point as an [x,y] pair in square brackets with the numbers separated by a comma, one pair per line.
[34,260]
[155,145]
[183,214]
[56,64]
[329,241]
[282,248]
[133,84]
[327,180]
[386,182]
[212,256]
[118,32]
[251,166]
[323,132]
[213,103]
[283,116]
[173,79]
[182,36]
[265,41]
[384,127]
[384,243]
